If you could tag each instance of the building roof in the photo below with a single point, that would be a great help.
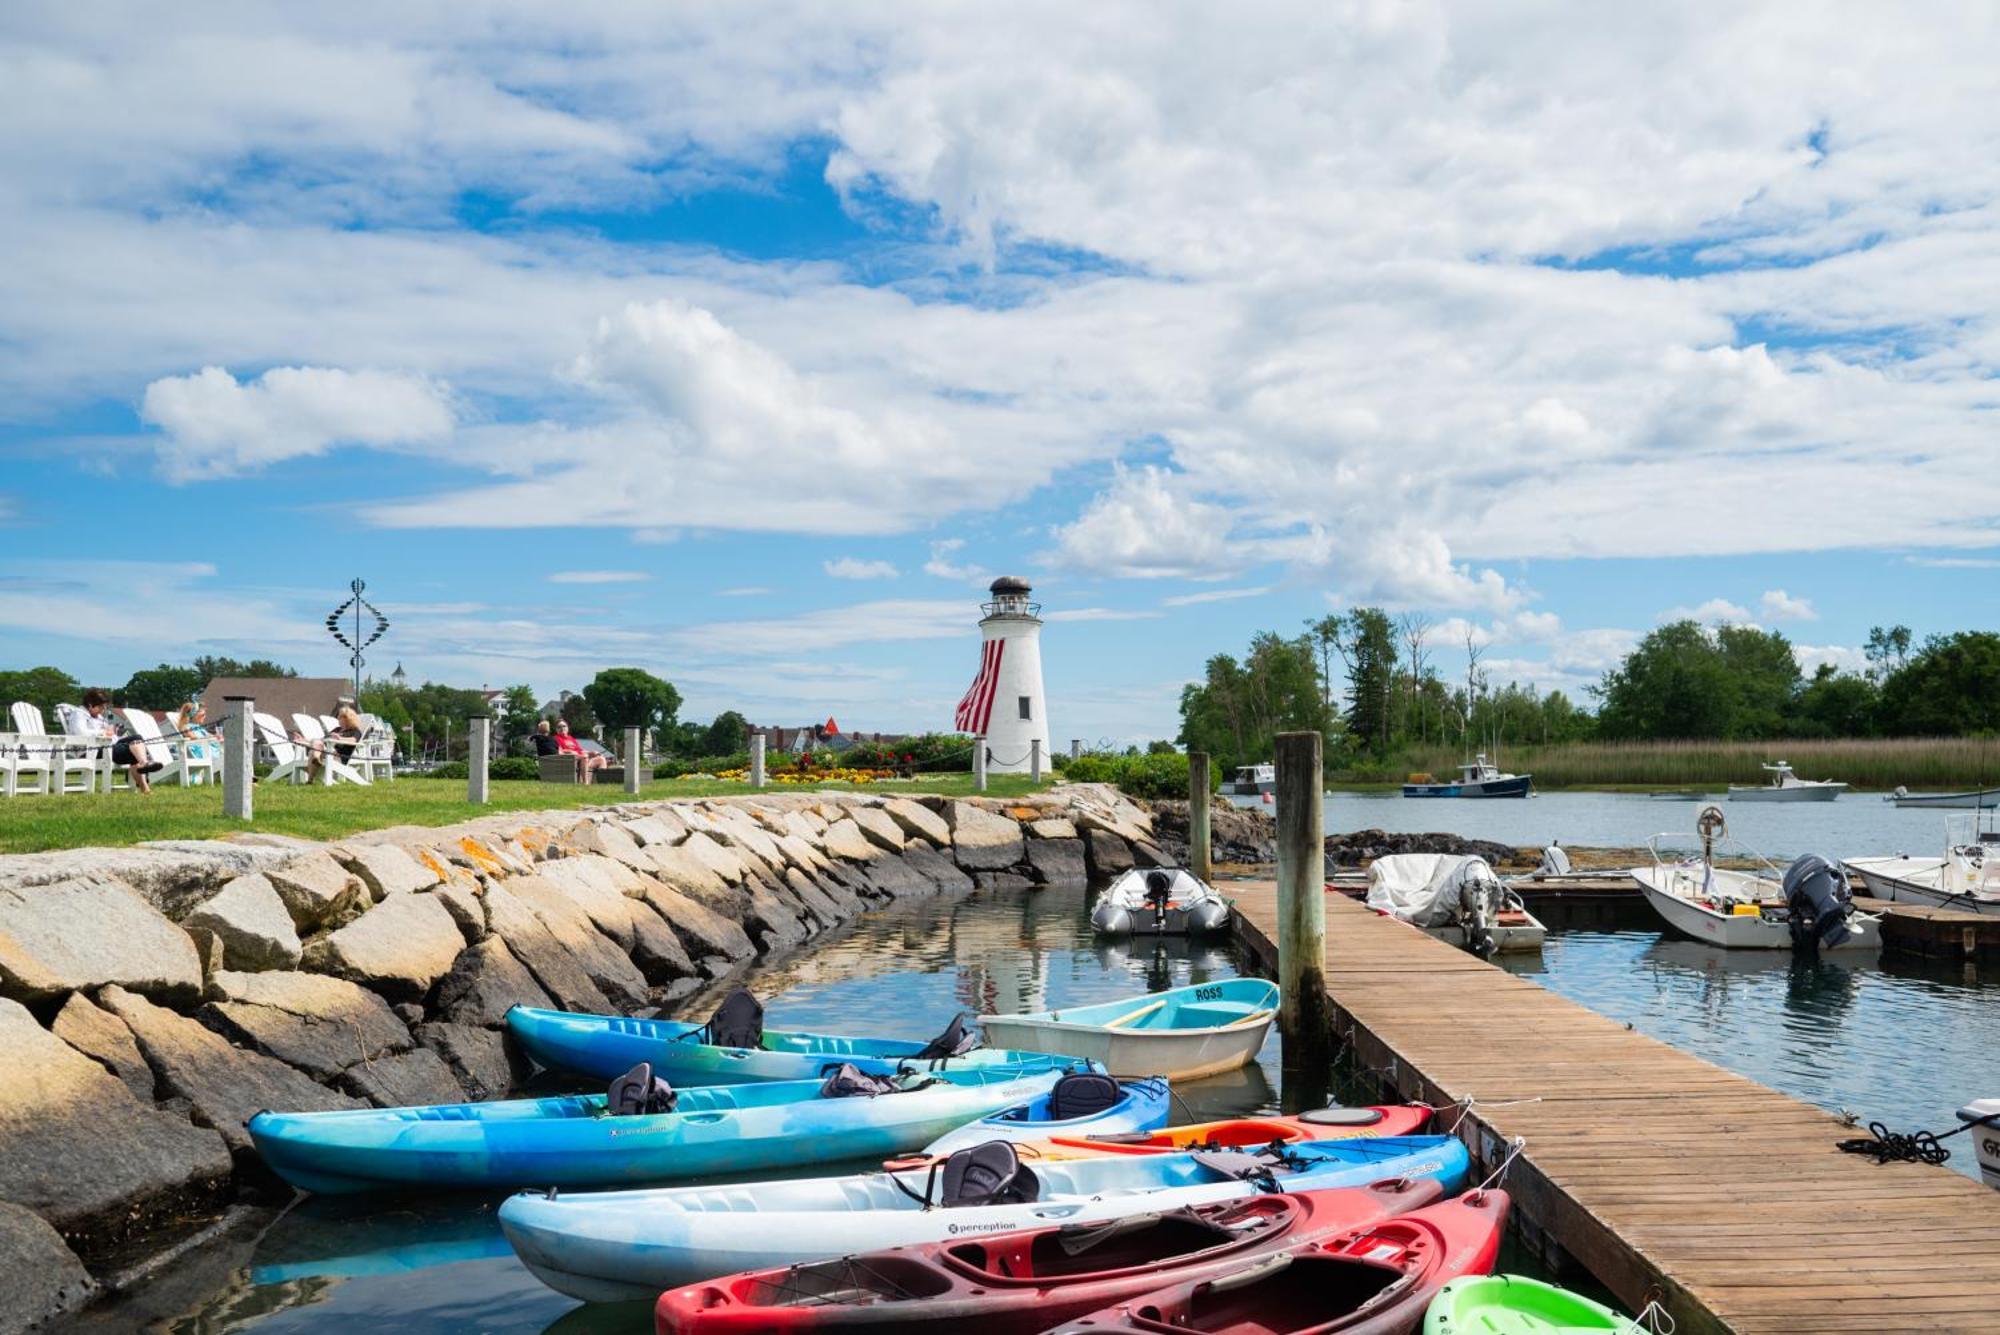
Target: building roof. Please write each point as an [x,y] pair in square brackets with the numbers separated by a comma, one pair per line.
[279,696]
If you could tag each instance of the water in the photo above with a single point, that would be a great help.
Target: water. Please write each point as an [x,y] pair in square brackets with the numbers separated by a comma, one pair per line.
[1854,825]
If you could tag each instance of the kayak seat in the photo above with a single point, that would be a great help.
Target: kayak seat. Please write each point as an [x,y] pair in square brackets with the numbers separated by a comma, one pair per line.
[640,1093]
[847,1081]
[989,1174]
[956,1040]
[1082,1094]
[737,1023]
[1260,1168]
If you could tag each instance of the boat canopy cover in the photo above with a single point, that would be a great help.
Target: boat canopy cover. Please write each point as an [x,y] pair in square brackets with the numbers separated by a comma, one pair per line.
[1428,889]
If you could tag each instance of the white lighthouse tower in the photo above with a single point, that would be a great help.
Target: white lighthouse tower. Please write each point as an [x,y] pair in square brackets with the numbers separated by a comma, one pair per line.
[1005,701]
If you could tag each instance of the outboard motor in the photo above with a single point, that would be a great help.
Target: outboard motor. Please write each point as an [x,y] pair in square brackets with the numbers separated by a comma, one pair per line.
[1159,889]
[1819,901]
[1555,862]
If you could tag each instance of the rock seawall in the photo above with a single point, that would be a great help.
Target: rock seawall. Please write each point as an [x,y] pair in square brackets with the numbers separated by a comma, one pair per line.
[154,998]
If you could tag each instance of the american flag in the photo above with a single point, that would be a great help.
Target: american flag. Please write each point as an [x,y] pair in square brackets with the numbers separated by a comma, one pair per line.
[977,706]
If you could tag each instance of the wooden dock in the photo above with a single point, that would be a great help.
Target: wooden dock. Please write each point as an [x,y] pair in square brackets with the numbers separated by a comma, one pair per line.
[1663,1175]
[1935,933]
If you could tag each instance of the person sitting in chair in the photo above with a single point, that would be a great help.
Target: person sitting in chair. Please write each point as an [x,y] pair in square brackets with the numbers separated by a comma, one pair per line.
[127,751]
[191,723]
[587,763]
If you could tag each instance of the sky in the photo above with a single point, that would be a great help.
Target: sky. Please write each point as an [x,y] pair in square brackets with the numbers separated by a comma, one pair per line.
[747,343]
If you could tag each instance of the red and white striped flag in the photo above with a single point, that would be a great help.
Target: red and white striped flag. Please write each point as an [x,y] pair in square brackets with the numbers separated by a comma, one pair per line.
[977,707]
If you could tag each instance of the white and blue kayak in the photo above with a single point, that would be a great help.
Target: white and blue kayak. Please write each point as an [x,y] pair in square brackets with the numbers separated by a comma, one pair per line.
[624,1245]
[1183,1033]
[1080,1104]
[606,1045]
[576,1141]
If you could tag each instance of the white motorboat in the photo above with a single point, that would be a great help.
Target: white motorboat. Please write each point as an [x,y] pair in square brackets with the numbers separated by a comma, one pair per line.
[1981,799]
[1806,905]
[1980,1115]
[1786,786]
[1966,877]
[1454,898]
[1159,902]
[1252,781]
[1479,777]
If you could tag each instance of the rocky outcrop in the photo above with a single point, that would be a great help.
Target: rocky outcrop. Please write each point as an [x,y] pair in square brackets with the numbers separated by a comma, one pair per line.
[485,980]
[1364,846]
[386,869]
[252,923]
[40,1277]
[982,840]
[319,892]
[319,1024]
[87,931]
[103,1037]
[407,943]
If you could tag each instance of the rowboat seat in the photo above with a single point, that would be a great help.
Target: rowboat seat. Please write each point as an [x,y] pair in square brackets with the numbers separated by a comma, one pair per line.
[1211,1014]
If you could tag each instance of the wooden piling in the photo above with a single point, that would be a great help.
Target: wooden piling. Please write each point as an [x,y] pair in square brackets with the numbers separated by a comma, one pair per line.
[239,757]
[1304,1017]
[634,762]
[1201,862]
[477,775]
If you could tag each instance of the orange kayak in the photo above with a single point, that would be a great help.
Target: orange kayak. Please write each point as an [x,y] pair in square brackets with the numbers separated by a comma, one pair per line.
[1231,1133]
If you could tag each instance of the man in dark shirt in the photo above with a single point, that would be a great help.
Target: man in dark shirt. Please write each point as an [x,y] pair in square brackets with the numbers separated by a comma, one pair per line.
[545,745]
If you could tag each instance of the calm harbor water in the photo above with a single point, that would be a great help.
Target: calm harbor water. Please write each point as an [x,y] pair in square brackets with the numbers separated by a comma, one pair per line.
[1888,1043]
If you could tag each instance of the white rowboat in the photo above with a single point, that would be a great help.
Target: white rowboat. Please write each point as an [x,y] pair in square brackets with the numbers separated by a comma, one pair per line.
[1182,1034]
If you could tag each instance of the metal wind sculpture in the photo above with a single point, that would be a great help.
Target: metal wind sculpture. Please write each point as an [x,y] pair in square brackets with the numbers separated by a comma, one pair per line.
[361,639]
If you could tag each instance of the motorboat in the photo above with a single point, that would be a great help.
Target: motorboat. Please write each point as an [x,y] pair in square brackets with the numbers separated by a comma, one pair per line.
[1251,781]
[1456,899]
[1981,799]
[1967,876]
[1786,786]
[1478,777]
[1183,1033]
[1982,1121]
[1806,906]
[1158,901]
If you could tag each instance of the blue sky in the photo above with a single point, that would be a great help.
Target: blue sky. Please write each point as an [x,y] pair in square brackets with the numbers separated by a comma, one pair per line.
[746,345]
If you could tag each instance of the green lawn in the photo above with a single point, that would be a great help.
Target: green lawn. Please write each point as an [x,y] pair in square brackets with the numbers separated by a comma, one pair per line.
[30,824]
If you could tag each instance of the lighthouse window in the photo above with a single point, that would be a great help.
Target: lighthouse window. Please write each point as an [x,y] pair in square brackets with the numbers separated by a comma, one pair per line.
[1025,711]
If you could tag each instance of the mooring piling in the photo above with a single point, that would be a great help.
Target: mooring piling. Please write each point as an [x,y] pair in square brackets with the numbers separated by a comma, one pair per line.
[1303,1015]
[478,757]
[239,758]
[1201,863]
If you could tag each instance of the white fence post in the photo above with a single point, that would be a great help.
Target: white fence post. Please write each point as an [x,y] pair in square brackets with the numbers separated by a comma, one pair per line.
[756,760]
[476,777]
[239,756]
[1035,760]
[979,763]
[632,760]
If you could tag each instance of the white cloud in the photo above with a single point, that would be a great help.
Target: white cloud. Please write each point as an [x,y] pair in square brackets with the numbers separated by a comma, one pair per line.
[1216,596]
[1777,605]
[1709,613]
[1146,526]
[942,566]
[849,567]
[745,591]
[216,425]
[599,577]
[1844,658]
[1101,614]
[1954,562]
[881,622]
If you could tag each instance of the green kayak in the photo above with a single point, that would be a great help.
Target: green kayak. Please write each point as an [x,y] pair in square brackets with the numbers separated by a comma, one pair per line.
[1517,1305]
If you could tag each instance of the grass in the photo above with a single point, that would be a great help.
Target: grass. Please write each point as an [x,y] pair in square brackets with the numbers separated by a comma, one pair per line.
[31,824]
[1917,763]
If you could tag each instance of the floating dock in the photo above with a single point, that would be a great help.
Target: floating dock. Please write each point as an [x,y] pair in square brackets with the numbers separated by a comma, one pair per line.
[1664,1176]
[1935,933]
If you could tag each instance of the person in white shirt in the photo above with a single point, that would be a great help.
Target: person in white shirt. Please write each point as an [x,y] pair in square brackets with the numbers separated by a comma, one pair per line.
[91,722]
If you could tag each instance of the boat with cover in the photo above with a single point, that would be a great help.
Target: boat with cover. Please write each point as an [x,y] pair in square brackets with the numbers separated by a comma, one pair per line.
[1967,877]
[1019,1283]
[617,1246]
[1373,1280]
[1980,799]
[1786,786]
[643,1131]
[1805,907]
[1182,1033]
[1478,777]
[733,1048]
[1235,1133]
[1081,1103]
[1159,902]
[1457,899]
[1252,781]
[1517,1305]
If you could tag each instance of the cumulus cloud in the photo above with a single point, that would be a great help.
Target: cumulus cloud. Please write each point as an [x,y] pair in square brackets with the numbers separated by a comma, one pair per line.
[216,425]
[599,577]
[1145,525]
[943,566]
[851,567]
[1777,605]
[1715,610]
[1843,658]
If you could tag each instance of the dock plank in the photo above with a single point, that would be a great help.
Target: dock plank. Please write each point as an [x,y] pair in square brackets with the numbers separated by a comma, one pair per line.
[1667,1176]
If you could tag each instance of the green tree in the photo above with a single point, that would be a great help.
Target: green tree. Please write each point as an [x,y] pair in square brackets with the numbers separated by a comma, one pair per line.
[210,667]
[728,734]
[632,697]
[1764,680]
[1887,650]
[1836,704]
[162,687]
[1675,684]
[1368,644]
[1949,687]
[42,687]
[1235,713]
[573,709]
[518,716]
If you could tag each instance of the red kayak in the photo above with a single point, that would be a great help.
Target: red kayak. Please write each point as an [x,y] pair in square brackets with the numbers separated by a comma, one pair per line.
[1374,1280]
[1028,1281]
[1235,1133]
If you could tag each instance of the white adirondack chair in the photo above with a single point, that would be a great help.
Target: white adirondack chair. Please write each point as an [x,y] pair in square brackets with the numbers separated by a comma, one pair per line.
[291,758]
[71,768]
[376,756]
[181,767]
[110,776]
[334,770]
[11,761]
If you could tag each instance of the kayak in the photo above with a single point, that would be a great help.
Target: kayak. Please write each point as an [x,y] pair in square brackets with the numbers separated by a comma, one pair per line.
[574,1141]
[604,1046]
[1080,1104]
[617,1246]
[1017,1283]
[1517,1305]
[1373,1280]
[1237,1133]
[1183,1033]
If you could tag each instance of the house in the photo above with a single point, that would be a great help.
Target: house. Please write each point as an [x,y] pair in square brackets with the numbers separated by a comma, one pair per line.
[280,697]
[825,736]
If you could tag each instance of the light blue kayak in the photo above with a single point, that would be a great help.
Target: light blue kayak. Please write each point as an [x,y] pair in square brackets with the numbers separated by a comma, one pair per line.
[572,1141]
[616,1246]
[1142,1105]
[1183,1033]
[606,1046]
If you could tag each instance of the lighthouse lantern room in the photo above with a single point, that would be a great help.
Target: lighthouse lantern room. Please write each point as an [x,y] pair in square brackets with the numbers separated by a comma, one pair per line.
[1005,701]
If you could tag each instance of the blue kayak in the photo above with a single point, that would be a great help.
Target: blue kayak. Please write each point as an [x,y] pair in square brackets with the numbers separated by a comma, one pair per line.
[605,1046]
[574,1141]
[614,1246]
[1069,1109]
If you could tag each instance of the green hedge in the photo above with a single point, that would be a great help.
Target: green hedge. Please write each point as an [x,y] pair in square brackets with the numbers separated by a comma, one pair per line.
[1154,776]
[506,767]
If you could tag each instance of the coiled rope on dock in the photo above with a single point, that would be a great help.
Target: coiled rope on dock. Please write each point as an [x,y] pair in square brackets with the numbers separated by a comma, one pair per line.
[1886,1146]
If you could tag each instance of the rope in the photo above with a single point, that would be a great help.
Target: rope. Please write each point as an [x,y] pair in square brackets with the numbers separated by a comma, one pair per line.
[1887,1146]
[1494,1178]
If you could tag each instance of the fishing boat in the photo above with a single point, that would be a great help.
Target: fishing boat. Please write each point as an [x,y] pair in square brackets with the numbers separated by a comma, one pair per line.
[616,1246]
[1967,877]
[1477,778]
[682,1053]
[1374,1280]
[1786,786]
[1456,899]
[1983,1117]
[1158,901]
[577,1140]
[1182,1033]
[1234,1133]
[1806,906]
[1079,1104]
[1982,799]
[1252,781]
[1517,1305]
[1020,1283]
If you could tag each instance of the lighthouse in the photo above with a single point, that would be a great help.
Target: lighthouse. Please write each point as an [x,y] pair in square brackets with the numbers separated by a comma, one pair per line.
[1005,701]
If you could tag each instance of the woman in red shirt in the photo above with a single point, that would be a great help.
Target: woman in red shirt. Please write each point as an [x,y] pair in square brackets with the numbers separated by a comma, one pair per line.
[586,762]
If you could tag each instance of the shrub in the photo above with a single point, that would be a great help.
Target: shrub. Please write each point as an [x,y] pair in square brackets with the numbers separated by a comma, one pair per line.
[679,766]
[1158,775]
[505,767]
